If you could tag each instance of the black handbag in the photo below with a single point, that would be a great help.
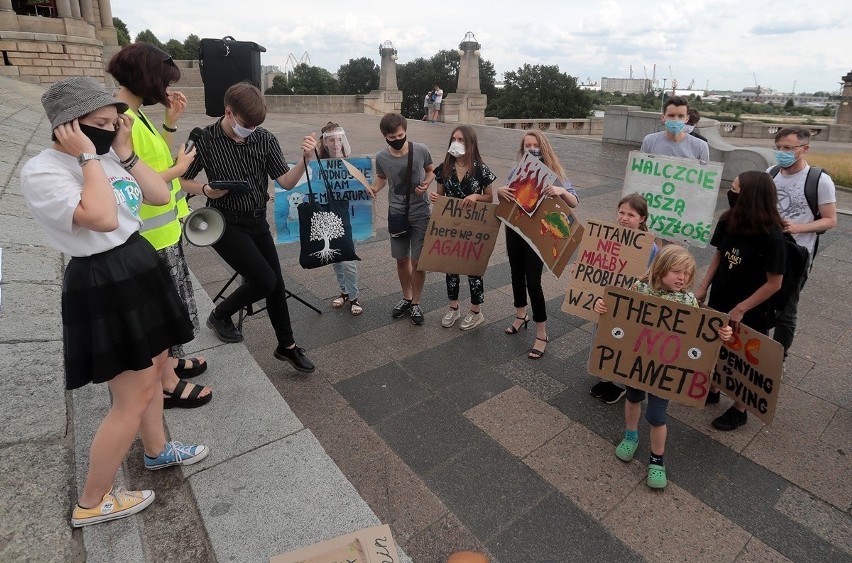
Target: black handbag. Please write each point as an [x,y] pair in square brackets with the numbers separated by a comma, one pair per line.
[325,231]
[398,226]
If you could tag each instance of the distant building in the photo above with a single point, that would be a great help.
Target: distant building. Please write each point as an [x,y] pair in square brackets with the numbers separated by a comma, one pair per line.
[626,85]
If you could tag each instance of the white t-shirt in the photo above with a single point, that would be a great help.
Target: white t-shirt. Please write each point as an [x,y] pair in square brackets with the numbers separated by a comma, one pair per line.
[439,95]
[793,206]
[52,184]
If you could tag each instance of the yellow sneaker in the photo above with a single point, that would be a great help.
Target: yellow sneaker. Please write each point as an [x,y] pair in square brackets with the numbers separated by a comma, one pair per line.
[118,503]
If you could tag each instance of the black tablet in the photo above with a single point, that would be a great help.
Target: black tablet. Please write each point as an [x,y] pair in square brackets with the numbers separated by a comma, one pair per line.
[233,186]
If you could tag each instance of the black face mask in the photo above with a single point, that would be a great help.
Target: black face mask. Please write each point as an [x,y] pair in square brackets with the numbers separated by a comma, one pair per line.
[732,197]
[101,138]
[397,144]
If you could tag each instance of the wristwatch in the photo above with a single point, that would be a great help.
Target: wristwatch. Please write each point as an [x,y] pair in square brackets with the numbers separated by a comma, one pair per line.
[85,157]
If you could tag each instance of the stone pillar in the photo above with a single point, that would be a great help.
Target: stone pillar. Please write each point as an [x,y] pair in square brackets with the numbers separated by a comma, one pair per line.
[387,75]
[86,11]
[467,103]
[469,66]
[388,98]
[844,109]
[5,5]
[106,13]
[63,8]
[75,9]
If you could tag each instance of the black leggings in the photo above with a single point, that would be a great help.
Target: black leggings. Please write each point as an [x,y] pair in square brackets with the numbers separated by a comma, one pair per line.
[526,269]
[248,248]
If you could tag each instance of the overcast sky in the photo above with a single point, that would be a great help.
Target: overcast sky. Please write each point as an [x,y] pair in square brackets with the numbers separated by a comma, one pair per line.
[722,42]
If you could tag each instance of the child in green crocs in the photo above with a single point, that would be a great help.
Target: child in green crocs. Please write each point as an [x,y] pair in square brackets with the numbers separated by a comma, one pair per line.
[670,276]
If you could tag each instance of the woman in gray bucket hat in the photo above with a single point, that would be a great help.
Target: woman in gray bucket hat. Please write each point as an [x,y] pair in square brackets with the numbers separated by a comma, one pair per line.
[120,310]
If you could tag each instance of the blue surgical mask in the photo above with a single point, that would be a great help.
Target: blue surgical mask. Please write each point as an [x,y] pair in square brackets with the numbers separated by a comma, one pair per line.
[673,126]
[239,130]
[785,159]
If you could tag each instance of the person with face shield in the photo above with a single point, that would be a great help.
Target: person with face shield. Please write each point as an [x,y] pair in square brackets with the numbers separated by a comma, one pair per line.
[120,309]
[144,73]
[524,263]
[238,151]
[463,175]
[675,140]
[334,144]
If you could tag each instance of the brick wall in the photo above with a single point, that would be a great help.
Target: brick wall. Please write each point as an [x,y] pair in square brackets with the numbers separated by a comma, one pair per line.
[45,58]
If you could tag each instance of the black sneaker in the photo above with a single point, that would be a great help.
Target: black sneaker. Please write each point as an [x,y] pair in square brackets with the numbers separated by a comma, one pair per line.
[613,394]
[401,308]
[731,419]
[224,329]
[296,356]
[713,397]
[416,315]
[598,389]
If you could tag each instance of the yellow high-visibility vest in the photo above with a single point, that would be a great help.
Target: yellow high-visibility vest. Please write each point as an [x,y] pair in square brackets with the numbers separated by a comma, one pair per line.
[160,225]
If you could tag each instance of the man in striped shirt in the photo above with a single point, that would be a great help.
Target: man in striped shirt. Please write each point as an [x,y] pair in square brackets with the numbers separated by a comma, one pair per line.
[237,150]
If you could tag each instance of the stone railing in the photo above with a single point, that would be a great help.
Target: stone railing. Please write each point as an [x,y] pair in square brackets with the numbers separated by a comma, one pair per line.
[589,126]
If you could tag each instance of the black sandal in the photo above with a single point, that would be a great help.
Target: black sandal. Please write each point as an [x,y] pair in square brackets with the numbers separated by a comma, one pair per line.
[198,367]
[173,398]
[535,354]
[513,330]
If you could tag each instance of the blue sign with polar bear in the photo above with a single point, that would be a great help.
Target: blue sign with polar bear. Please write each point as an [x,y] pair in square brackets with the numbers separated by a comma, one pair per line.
[343,185]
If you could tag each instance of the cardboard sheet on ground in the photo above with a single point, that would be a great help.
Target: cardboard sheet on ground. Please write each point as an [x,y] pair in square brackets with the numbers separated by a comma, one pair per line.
[681,195]
[528,180]
[749,369]
[345,187]
[553,231]
[459,239]
[607,255]
[370,545]
[657,345]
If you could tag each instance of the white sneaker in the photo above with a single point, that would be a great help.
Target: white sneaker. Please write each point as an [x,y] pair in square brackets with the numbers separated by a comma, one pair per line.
[472,320]
[450,318]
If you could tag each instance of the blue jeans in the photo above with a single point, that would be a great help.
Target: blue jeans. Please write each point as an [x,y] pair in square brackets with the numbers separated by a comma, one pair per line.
[347,278]
[655,414]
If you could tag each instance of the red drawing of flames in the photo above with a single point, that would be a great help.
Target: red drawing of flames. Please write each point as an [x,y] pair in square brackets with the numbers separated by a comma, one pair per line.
[527,188]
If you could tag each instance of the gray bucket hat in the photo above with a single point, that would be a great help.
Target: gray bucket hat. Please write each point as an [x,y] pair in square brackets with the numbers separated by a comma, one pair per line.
[75,97]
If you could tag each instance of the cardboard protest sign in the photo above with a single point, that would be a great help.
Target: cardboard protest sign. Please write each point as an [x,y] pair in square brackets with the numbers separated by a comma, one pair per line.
[529,180]
[344,186]
[370,545]
[681,194]
[553,231]
[608,255]
[459,239]
[656,345]
[749,369]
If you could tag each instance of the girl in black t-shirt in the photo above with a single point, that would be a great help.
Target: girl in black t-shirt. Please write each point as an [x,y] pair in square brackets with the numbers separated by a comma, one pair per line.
[748,265]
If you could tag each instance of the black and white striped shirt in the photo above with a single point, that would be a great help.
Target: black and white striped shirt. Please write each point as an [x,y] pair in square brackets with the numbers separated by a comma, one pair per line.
[256,160]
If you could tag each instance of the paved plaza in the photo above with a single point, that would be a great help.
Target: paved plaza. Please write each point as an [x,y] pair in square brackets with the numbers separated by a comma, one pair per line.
[455,439]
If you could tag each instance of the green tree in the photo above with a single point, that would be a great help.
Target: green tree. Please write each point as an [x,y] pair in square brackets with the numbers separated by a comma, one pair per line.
[147,36]
[174,48]
[190,46]
[540,91]
[313,80]
[358,76]
[122,32]
[279,87]
[790,104]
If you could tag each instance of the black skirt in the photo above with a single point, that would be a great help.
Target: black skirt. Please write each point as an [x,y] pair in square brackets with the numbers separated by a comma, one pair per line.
[120,309]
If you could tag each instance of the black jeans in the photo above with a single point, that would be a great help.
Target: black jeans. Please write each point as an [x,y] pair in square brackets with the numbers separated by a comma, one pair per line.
[526,269]
[248,248]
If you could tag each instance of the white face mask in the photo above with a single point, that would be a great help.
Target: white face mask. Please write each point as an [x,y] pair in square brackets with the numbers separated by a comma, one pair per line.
[456,149]
[239,130]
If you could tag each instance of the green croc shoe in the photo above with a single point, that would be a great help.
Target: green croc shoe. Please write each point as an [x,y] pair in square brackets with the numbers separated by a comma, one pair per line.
[657,476]
[626,450]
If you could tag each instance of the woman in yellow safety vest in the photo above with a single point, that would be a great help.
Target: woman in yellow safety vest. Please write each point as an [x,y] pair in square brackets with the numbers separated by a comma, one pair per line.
[145,73]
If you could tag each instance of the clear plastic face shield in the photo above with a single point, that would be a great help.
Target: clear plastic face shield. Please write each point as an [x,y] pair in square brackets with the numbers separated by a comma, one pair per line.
[336,144]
